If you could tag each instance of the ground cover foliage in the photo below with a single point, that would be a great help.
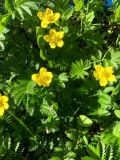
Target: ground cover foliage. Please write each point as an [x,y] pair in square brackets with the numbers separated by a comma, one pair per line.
[70,109]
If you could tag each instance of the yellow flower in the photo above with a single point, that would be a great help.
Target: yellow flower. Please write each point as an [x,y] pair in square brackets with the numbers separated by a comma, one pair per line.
[3,104]
[104,75]
[43,78]
[48,17]
[54,38]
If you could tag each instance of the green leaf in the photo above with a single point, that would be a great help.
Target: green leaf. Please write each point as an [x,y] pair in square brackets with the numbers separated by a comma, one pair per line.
[20,12]
[115,128]
[72,134]
[2,46]
[26,9]
[68,13]
[78,4]
[55,158]
[89,17]
[108,89]
[117,14]
[88,158]
[43,54]
[93,151]
[4,22]
[31,5]
[115,55]
[21,122]
[63,77]
[78,69]
[9,5]
[117,113]
[20,89]
[84,121]
[104,99]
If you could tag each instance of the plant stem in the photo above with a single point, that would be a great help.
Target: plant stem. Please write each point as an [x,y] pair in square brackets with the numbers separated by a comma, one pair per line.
[21,122]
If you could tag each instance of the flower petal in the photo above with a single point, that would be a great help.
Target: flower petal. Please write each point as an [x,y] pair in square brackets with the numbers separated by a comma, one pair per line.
[52,32]
[5,99]
[60,43]
[44,24]
[103,82]
[109,70]
[40,15]
[56,16]
[96,74]
[60,35]
[50,75]
[1,111]
[42,70]
[98,68]
[52,44]
[6,106]
[111,77]
[48,12]
[46,38]
[34,77]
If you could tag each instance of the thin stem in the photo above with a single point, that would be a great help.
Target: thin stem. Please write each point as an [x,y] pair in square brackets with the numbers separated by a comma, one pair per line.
[21,122]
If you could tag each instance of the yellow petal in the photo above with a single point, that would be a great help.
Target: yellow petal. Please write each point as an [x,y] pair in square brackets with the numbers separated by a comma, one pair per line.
[6,106]
[50,75]
[56,16]
[1,111]
[52,44]
[60,43]
[103,82]
[60,35]
[46,38]
[98,68]
[48,12]
[111,78]
[44,24]
[95,74]
[34,77]
[109,70]
[42,70]
[40,15]
[52,32]
[5,99]
[46,84]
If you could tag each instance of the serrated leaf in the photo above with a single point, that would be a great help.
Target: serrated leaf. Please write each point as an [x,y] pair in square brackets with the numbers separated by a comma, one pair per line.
[72,135]
[79,69]
[115,128]
[93,151]
[70,155]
